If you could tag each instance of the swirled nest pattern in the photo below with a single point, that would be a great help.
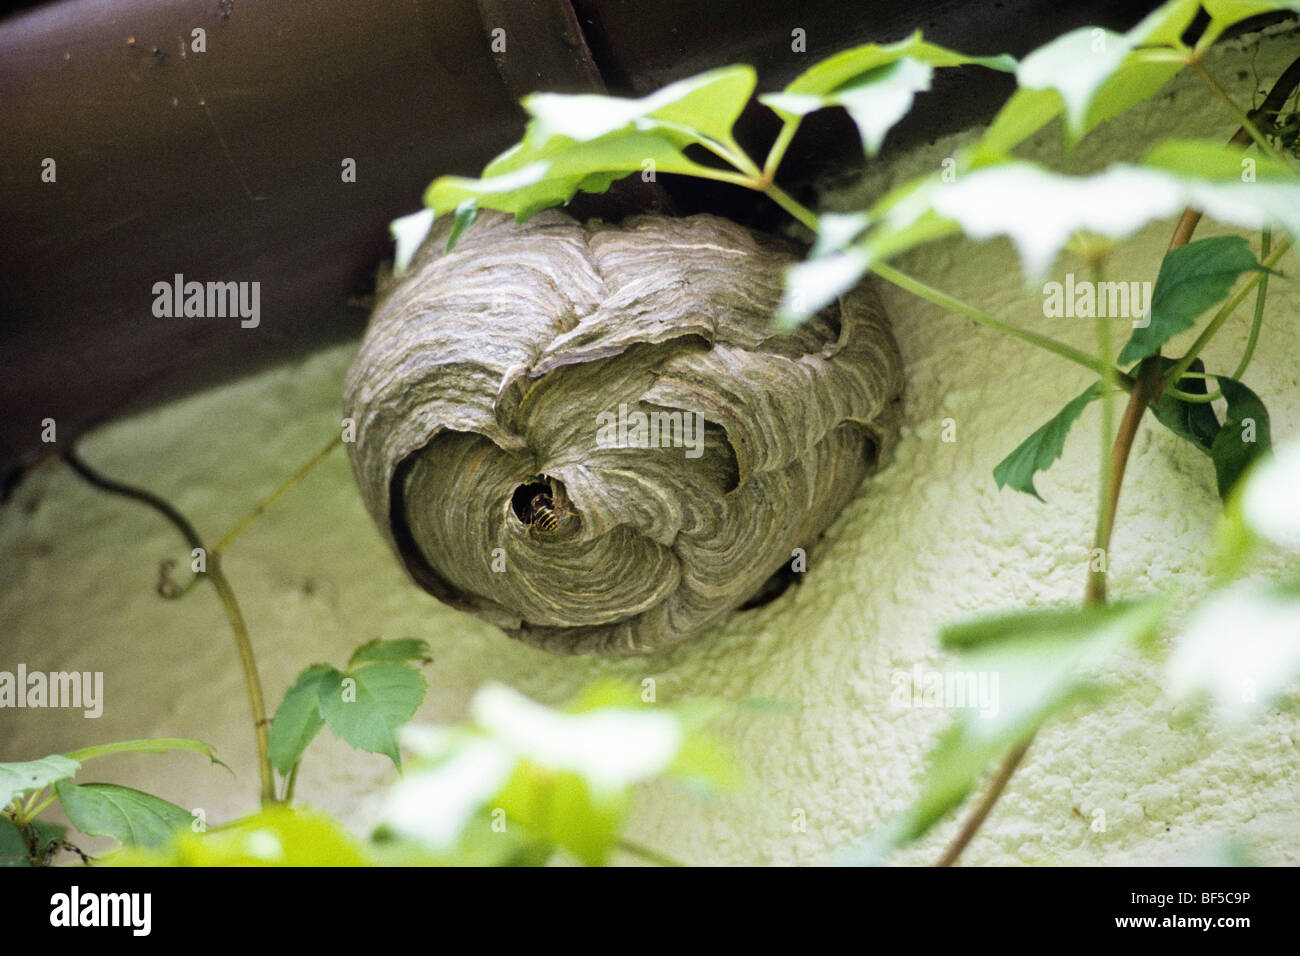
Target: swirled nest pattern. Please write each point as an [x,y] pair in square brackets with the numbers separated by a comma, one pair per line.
[482,381]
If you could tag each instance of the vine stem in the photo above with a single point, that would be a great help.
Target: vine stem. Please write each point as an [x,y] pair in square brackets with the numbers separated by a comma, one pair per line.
[256,513]
[214,573]
[1257,319]
[646,853]
[987,799]
[945,301]
[1248,128]
[782,143]
[1105,512]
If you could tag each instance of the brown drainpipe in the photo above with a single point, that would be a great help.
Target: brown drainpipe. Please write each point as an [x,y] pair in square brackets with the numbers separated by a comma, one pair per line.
[226,164]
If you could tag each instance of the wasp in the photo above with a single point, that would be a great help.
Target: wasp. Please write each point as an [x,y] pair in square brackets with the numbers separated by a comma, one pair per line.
[541,514]
[545,513]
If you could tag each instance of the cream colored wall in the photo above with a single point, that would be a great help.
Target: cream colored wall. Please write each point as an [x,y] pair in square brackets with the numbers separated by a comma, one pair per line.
[928,541]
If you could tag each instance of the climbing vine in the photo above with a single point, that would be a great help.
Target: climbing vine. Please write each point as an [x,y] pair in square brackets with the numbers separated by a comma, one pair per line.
[490,792]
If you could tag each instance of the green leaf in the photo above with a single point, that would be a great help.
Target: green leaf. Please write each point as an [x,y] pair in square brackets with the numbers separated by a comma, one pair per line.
[875,101]
[1076,65]
[1235,541]
[466,213]
[848,67]
[706,105]
[1244,436]
[276,836]
[837,231]
[1192,278]
[584,142]
[368,712]
[562,777]
[1039,209]
[453,777]
[1028,666]
[704,766]
[1096,92]
[1270,502]
[401,649]
[612,747]
[561,808]
[1203,159]
[1193,421]
[129,816]
[47,838]
[1026,112]
[148,745]
[297,720]
[589,167]
[1226,13]
[13,846]
[813,284]
[1241,646]
[876,84]
[409,232]
[1037,452]
[16,778]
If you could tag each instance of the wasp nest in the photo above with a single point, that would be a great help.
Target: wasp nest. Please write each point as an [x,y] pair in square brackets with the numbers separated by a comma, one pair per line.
[594,436]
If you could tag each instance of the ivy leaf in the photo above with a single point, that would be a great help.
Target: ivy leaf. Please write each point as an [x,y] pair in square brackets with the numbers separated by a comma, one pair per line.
[702,106]
[276,836]
[813,284]
[13,848]
[1039,210]
[1022,115]
[16,778]
[1098,88]
[851,65]
[1270,505]
[836,231]
[875,101]
[1037,452]
[612,747]
[401,649]
[584,142]
[1198,158]
[1027,666]
[1226,13]
[466,213]
[1241,646]
[298,719]
[129,816]
[454,777]
[47,837]
[555,179]
[1194,422]
[875,83]
[1244,436]
[1076,65]
[1192,278]
[368,711]
[560,807]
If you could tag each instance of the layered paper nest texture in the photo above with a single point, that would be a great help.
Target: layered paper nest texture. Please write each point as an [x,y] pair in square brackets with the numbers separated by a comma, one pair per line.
[596,437]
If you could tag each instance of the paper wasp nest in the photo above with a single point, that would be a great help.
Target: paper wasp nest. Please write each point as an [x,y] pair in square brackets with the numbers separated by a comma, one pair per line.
[595,437]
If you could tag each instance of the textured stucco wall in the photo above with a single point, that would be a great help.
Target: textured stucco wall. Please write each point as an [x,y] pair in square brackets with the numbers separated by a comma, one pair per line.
[928,541]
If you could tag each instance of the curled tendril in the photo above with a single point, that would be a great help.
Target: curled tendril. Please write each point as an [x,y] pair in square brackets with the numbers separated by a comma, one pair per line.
[167,586]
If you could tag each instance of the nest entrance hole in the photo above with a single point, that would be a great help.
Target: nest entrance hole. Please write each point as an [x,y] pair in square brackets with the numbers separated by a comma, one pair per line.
[521,502]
